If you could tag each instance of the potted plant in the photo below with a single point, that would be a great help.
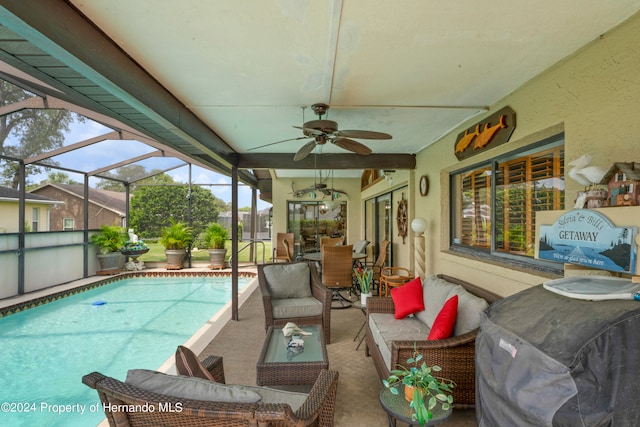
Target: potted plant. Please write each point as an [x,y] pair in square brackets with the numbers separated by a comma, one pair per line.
[364,276]
[423,389]
[109,239]
[176,238]
[216,237]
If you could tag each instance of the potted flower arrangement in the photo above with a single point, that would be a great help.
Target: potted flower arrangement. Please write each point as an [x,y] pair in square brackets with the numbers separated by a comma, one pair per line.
[423,389]
[216,236]
[175,239]
[109,239]
[364,276]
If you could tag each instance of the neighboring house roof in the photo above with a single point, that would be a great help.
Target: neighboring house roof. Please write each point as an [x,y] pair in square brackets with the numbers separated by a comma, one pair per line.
[7,193]
[631,170]
[115,201]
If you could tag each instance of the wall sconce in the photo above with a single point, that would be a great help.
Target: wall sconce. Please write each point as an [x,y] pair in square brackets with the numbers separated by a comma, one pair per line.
[419,226]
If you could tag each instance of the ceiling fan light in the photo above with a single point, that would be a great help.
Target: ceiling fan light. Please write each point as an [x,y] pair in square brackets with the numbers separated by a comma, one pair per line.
[330,204]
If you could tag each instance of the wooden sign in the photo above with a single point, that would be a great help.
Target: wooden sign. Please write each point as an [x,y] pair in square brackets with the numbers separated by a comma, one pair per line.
[589,238]
[489,133]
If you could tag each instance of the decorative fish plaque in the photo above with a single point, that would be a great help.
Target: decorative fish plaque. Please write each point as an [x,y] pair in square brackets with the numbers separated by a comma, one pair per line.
[491,132]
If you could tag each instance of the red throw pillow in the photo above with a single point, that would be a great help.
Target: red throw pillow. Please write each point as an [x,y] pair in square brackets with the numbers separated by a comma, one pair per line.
[187,364]
[408,298]
[445,320]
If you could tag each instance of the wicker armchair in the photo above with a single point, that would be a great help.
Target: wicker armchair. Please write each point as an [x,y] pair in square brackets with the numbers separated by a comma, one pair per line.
[317,410]
[318,291]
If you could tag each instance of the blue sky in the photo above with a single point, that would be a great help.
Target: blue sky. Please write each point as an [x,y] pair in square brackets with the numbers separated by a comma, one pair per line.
[111,152]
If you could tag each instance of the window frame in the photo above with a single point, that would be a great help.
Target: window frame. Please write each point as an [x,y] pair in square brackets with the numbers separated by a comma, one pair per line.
[35,219]
[73,224]
[492,253]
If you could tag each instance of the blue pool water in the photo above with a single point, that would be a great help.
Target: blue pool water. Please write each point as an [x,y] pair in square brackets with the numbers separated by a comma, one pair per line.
[137,323]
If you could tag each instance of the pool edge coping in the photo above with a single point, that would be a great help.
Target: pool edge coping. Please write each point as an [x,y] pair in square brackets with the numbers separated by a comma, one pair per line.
[48,295]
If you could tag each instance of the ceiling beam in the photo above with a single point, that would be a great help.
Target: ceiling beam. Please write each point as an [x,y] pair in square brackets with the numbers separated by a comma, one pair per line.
[326,161]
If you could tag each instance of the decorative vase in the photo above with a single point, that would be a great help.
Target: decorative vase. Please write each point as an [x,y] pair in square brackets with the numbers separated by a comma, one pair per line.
[363,298]
[217,257]
[175,258]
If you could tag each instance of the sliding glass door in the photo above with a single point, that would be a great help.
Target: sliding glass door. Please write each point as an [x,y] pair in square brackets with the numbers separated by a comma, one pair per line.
[379,221]
[310,221]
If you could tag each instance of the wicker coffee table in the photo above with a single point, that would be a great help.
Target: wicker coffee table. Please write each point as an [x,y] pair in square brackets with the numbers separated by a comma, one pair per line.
[277,366]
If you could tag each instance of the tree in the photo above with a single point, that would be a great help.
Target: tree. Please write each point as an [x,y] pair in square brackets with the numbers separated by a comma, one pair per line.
[152,208]
[36,130]
[131,173]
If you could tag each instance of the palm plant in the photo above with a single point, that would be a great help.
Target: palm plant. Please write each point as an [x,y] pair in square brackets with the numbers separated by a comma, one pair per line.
[216,235]
[178,235]
[110,238]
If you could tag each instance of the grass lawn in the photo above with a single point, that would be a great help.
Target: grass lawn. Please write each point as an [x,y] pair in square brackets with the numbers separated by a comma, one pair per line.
[156,252]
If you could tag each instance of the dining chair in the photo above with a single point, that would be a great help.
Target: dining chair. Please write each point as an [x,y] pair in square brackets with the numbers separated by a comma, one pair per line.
[337,271]
[331,241]
[280,252]
[287,250]
[393,276]
[376,267]
[360,246]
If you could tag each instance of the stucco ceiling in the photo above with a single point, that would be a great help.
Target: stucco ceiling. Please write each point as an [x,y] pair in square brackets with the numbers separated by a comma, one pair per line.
[415,69]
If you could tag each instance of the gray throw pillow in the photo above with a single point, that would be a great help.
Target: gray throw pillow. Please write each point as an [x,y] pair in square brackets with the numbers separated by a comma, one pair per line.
[188,387]
[434,294]
[470,309]
[288,280]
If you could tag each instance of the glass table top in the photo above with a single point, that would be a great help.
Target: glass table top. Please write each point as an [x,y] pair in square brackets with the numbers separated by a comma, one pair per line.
[314,349]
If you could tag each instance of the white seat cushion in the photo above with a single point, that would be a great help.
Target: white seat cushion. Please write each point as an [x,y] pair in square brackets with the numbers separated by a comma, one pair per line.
[385,329]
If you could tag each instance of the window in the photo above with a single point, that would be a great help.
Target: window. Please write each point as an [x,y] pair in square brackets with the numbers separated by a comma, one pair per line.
[35,216]
[68,224]
[494,204]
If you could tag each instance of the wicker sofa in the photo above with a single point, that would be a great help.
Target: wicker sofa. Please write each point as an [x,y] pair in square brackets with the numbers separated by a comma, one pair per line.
[455,355]
[120,400]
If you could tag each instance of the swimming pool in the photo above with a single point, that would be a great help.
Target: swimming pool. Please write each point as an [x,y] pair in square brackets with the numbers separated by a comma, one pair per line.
[130,323]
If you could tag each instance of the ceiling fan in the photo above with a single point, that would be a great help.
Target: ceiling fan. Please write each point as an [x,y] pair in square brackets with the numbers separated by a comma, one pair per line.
[323,131]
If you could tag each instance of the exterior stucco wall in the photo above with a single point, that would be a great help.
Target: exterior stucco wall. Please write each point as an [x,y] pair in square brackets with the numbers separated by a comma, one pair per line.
[593,96]
[9,216]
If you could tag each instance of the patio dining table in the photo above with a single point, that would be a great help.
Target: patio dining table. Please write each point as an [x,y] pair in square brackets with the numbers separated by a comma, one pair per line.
[317,256]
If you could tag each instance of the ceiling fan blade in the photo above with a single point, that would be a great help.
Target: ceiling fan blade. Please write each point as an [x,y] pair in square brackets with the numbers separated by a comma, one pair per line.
[309,131]
[354,146]
[362,134]
[277,142]
[305,150]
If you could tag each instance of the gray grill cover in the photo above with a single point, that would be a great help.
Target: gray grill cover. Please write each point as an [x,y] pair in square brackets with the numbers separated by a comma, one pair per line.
[543,359]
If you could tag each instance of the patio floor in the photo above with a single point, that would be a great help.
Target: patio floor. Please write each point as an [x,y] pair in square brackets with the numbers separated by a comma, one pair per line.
[239,343]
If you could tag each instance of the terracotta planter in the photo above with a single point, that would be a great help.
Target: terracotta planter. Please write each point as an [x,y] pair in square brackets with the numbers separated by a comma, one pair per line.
[408,392]
[175,258]
[217,257]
